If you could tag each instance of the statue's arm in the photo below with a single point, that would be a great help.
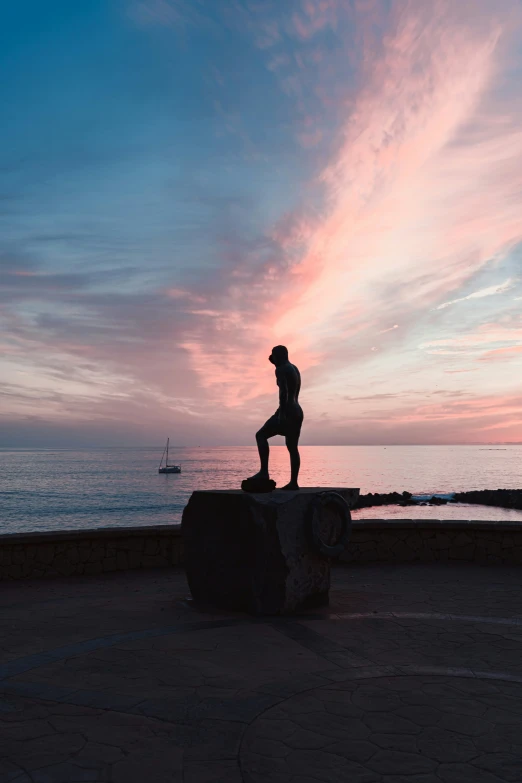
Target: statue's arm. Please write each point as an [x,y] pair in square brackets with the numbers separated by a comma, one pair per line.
[283,392]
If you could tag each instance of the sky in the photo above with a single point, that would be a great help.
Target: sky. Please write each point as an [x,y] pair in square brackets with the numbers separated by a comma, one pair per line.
[185,184]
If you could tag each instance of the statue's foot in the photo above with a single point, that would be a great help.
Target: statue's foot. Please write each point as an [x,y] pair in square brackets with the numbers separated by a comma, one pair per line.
[258,483]
[261,476]
[292,485]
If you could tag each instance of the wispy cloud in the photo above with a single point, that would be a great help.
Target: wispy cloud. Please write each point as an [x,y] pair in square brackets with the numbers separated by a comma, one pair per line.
[484,336]
[168,13]
[421,188]
[493,290]
[501,354]
[375,184]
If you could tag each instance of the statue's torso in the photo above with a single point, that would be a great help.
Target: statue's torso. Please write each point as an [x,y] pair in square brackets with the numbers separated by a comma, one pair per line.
[292,379]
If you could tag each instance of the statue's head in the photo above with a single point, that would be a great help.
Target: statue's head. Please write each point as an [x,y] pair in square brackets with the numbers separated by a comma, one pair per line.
[279,355]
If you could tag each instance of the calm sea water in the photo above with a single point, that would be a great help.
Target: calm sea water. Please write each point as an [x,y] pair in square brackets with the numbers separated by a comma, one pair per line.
[44,489]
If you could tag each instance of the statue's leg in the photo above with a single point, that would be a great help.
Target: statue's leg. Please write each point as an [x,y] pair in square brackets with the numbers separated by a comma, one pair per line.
[264,452]
[292,441]
[268,430]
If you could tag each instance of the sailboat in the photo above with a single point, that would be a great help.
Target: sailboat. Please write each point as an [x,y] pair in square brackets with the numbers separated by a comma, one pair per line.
[168,468]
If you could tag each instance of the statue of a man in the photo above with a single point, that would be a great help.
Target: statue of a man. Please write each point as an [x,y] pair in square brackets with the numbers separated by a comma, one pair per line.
[287,419]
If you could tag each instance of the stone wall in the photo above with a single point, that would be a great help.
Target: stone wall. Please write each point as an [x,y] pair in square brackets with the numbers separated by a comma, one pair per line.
[86,552]
[77,552]
[405,540]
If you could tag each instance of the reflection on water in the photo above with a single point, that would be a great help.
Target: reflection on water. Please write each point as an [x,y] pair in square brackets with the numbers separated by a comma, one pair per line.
[450,511]
[50,489]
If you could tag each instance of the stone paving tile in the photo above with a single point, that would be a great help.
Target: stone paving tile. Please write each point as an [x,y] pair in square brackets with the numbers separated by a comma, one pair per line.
[366,736]
[212,772]
[65,743]
[107,605]
[415,642]
[158,674]
[118,678]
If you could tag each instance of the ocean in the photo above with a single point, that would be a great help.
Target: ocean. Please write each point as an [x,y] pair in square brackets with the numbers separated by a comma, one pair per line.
[60,489]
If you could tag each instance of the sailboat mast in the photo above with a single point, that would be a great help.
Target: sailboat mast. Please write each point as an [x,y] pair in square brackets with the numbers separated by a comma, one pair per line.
[161,463]
[167,462]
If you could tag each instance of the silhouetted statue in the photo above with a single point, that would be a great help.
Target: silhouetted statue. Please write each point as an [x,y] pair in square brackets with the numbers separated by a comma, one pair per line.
[287,421]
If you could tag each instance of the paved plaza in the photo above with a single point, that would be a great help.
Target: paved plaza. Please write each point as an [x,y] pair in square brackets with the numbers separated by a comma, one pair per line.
[414,673]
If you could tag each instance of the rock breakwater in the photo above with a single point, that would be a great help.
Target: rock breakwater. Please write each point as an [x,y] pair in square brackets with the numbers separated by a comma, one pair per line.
[505,498]
[385,499]
[502,498]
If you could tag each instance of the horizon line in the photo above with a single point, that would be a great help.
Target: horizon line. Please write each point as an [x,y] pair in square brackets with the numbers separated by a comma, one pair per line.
[281,445]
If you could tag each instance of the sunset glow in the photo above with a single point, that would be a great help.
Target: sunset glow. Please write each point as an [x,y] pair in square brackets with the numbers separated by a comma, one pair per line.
[187,184]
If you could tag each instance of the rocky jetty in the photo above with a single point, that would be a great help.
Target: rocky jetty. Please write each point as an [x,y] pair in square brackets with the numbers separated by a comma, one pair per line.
[434,501]
[505,498]
[397,499]
[385,499]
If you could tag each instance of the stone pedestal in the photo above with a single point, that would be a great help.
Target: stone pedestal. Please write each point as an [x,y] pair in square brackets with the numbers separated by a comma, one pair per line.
[257,552]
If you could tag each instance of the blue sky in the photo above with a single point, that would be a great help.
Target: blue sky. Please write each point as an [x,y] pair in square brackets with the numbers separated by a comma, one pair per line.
[185,184]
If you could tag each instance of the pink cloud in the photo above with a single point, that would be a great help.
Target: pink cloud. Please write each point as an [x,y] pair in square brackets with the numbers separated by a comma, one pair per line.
[182,294]
[390,204]
[311,138]
[418,192]
[471,419]
[422,189]
[486,337]
[314,16]
[502,353]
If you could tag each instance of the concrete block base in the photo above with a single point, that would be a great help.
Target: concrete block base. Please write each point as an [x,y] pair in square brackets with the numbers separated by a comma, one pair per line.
[254,552]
